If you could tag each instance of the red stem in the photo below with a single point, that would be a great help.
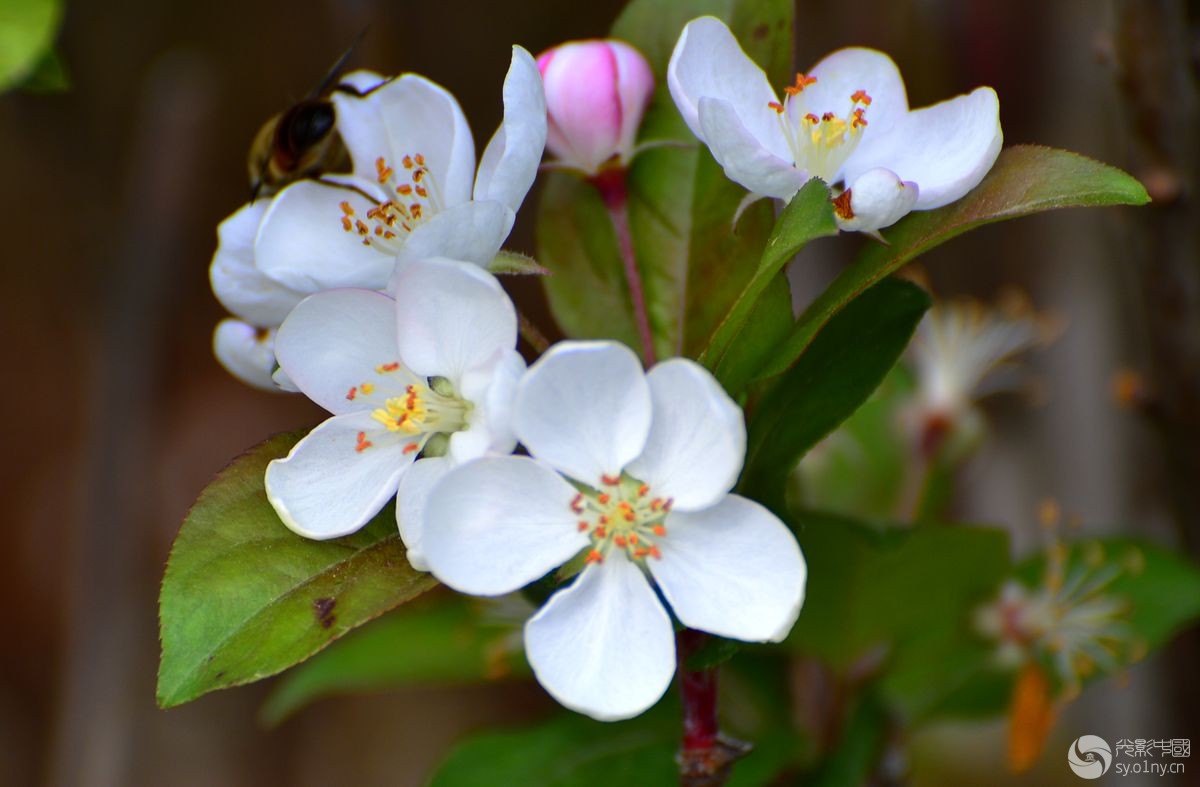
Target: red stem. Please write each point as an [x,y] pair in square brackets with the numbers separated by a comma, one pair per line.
[706,756]
[613,190]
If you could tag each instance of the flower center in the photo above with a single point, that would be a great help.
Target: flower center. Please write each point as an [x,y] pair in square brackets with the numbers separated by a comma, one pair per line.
[820,143]
[411,197]
[413,414]
[622,515]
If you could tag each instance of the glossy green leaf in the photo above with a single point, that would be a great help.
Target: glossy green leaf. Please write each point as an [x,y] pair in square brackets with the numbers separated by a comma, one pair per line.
[244,598]
[870,588]
[692,260]
[446,640]
[1026,179]
[27,31]
[848,360]
[807,217]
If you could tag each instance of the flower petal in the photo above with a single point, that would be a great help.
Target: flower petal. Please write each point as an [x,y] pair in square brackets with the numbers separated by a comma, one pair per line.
[635,85]
[697,437]
[363,80]
[451,317]
[584,409]
[585,106]
[337,339]
[404,117]
[843,73]
[236,281]
[946,149]
[510,161]
[326,487]
[733,570]
[411,498]
[878,199]
[491,390]
[471,232]
[302,245]
[743,158]
[709,63]
[498,523]
[246,352]
[605,645]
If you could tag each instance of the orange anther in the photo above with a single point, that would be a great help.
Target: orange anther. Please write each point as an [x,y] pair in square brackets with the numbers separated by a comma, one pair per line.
[603,519]
[601,532]
[421,192]
[407,162]
[619,541]
[583,526]
[411,448]
[860,97]
[775,105]
[633,539]
[811,118]
[594,557]
[388,367]
[353,392]
[404,189]
[420,160]
[659,530]
[577,503]
[346,209]
[362,443]
[611,480]
[604,498]
[346,225]
[654,553]
[641,552]
[642,490]
[828,116]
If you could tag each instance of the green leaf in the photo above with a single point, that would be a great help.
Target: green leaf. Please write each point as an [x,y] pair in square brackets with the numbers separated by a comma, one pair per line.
[858,750]
[692,260]
[859,470]
[436,641]
[515,263]
[729,355]
[244,598]
[573,751]
[1025,179]
[27,31]
[848,360]
[869,588]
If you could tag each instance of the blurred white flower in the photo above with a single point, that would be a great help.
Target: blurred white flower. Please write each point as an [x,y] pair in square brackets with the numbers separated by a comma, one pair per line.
[630,474]
[845,121]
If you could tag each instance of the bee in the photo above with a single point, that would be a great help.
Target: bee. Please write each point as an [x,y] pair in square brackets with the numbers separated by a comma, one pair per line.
[302,141]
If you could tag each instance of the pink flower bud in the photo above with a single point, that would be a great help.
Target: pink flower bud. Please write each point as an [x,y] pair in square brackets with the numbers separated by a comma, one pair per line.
[596,94]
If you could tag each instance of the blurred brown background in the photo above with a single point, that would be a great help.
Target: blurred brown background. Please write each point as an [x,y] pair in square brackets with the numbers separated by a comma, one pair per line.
[116,414]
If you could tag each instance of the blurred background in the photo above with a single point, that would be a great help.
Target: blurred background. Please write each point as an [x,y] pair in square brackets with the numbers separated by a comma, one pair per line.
[116,413]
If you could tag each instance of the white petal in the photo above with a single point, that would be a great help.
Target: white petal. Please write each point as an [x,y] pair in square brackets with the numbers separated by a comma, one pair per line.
[733,570]
[878,199]
[363,80]
[744,160]
[496,524]
[246,352]
[946,149]
[584,409]
[846,71]
[451,317]
[605,645]
[491,390]
[510,161]
[336,340]
[283,382]
[302,245]
[404,117]
[471,232]
[236,281]
[411,497]
[697,437]
[709,63]
[326,488]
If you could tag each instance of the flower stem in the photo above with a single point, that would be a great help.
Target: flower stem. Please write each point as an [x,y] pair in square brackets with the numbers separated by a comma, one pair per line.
[611,184]
[532,335]
[706,756]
